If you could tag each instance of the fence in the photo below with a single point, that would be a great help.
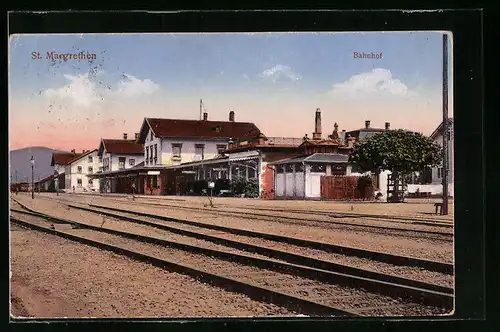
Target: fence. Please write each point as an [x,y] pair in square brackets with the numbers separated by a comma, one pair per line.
[339,187]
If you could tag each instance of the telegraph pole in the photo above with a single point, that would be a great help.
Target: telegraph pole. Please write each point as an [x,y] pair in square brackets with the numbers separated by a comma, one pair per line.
[444,210]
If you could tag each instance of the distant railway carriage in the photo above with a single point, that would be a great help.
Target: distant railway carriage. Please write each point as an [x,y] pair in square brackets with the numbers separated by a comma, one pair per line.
[23,186]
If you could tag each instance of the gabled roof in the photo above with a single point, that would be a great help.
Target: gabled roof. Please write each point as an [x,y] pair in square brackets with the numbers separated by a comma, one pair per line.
[198,129]
[120,146]
[81,156]
[63,158]
[439,129]
[365,132]
[315,158]
[45,179]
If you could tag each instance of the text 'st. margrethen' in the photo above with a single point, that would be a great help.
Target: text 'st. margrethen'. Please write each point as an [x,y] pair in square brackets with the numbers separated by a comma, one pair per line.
[52,56]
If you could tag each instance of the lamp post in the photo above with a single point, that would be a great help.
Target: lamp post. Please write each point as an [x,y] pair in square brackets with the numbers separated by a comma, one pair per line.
[56,182]
[32,160]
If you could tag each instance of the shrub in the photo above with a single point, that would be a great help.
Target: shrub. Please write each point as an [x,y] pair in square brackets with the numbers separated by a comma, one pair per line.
[364,182]
[249,188]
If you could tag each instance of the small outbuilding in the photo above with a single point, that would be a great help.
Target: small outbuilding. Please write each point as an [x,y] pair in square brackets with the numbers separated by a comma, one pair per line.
[300,177]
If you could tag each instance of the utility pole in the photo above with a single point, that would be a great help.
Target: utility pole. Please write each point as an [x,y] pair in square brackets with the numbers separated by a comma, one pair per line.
[444,210]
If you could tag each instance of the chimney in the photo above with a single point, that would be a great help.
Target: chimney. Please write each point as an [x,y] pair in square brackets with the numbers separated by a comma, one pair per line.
[205,116]
[387,125]
[136,136]
[231,116]
[367,124]
[317,125]
[73,151]
[124,135]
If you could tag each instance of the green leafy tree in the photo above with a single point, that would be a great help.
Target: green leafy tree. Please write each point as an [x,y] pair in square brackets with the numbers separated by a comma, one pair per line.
[398,151]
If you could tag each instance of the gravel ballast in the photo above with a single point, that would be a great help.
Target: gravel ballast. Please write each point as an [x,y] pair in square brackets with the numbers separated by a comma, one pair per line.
[345,297]
[412,247]
[53,277]
[415,273]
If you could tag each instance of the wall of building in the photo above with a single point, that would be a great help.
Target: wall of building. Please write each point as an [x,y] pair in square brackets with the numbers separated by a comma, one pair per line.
[115,158]
[86,183]
[436,179]
[188,150]
[266,172]
[150,142]
[434,189]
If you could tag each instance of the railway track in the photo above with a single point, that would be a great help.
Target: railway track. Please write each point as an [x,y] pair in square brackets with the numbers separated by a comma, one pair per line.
[407,232]
[333,214]
[135,216]
[302,289]
[286,249]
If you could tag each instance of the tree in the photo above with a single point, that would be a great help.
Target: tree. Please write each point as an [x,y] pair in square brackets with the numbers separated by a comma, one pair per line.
[399,151]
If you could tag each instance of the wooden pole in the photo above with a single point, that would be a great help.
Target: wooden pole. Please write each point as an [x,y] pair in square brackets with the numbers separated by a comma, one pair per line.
[444,210]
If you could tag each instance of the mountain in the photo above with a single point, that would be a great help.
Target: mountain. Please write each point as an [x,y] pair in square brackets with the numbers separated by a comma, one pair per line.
[20,161]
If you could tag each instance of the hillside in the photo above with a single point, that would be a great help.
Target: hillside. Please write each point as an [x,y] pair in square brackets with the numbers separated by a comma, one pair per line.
[20,161]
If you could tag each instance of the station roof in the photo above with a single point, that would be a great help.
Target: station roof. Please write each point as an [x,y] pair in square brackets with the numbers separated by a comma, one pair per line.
[198,129]
[121,146]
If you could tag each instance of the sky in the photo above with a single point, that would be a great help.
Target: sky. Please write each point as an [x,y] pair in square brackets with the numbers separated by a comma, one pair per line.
[275,80]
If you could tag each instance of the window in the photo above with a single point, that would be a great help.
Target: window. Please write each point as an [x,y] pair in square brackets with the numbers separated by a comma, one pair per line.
[91,182]
[79,169]
[221,148]
[318,168]
[100,159]
[199,151]
[176,150]
[91,170]
[151,136]
[156,152]
[299,168]
[280,169]
[91,160]
[79,182]
[440,172]
[121,162]
[151,153]
[289,168]
[131,162]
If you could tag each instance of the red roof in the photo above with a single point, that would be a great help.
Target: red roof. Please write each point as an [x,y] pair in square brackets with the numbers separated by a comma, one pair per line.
[81,155]
[123,146]
[63,158]
[199,129]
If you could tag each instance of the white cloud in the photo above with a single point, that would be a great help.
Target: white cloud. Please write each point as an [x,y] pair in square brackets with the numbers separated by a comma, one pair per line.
[279,72]
[131,87]
[81,90]
[87,89]
[377,83]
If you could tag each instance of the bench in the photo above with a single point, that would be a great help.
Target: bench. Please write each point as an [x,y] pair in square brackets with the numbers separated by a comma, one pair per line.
[440,206]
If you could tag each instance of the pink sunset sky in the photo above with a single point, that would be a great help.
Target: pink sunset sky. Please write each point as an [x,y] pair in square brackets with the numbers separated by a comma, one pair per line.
[273,80]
